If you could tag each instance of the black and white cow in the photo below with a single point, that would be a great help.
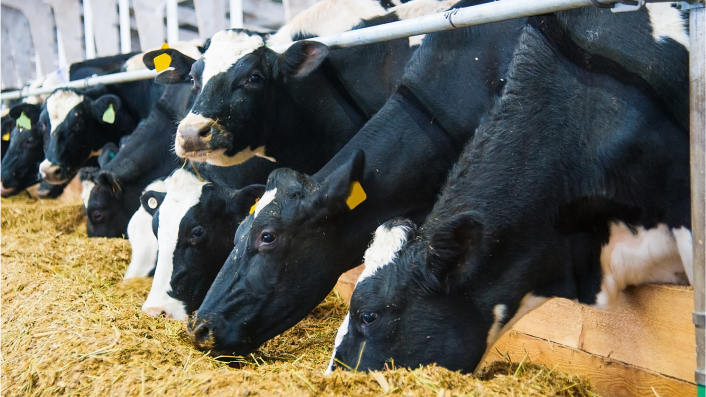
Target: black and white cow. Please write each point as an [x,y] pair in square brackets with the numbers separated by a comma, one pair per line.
[195,226]
[575,186]
[112,195]
[303,235]
[8,123]
[24,153]
[299,107]
[80,123]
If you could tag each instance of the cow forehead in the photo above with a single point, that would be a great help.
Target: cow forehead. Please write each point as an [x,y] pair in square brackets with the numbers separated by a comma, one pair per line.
[266,199]
[226,48]
[387,243]
[59,104]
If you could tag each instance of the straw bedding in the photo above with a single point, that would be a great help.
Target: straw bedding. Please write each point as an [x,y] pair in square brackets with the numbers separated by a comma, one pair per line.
[71,326]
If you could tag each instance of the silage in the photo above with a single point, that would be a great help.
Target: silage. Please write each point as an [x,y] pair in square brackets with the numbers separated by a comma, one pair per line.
[71,326]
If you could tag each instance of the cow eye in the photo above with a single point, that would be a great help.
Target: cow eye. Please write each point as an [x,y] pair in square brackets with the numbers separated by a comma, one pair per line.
[42,126]
[97,216]
[368,317]
[255,78]
[197,232]
[267,238]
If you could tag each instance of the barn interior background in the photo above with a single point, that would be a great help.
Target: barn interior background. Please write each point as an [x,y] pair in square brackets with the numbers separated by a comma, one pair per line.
[39,36]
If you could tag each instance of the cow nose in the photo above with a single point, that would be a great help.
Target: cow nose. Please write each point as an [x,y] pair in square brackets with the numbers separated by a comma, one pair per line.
[49,171]
[204,332]
[201,336]
[157,311]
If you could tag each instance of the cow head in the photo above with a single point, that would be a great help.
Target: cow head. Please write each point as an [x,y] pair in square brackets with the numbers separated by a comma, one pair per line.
[20,163]
[267,284]
[103,202]
[76,121]
[235,104]
[195,227]
[408,309]
[143,241]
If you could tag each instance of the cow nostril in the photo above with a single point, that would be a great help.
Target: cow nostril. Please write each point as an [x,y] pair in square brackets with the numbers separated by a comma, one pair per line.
[56,171]
[205,131]
[202,335]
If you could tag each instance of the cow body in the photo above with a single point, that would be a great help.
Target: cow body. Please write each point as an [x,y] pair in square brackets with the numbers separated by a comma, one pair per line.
[303,236]
[196,222]
[113,194]
[575,186]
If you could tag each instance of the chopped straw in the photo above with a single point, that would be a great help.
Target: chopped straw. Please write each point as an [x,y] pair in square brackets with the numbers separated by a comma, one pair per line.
[71,326]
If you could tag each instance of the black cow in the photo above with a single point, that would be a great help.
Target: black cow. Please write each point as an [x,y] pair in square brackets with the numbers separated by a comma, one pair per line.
[21,161]
[80,123]
[576,186]
[195,224]
[8,123]
[113,193]
[299,107]
[303,236]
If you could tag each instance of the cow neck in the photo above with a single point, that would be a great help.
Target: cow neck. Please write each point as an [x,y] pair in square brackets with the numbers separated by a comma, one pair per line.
[426,122]
[343,98]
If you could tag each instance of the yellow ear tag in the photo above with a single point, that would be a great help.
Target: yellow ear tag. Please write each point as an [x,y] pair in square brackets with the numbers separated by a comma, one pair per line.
[357,195]
[6,136]
[252,209]
[162,62]
[109,115]
[24,121]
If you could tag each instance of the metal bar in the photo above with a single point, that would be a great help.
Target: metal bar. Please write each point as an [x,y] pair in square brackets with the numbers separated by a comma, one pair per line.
[236,13]
[172,21]
[87,82]
[125,35]
[88,29]
[697,100]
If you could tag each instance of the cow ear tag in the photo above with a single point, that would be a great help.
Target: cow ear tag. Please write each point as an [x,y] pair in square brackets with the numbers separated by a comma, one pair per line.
[357,195]
[109,115]
[252,209]
[24,122]
[162,62]
[152,203]
[6,136]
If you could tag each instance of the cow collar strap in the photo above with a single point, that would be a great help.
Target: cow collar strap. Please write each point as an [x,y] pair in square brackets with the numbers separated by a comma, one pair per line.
[342,96]
[426,122]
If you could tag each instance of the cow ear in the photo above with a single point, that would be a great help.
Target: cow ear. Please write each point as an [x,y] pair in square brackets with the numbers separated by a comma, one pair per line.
[31,111]
[301,58]
[451,244]
[180,65]
[107,179]
[108,152]
[88,174]
[342,190]
[151,200]
[244,200]
[106,107]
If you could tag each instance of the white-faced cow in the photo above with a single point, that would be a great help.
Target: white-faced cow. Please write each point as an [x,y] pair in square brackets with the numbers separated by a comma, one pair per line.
[299,107]
[143,241]
[575,186]
[195,225]
[304,234]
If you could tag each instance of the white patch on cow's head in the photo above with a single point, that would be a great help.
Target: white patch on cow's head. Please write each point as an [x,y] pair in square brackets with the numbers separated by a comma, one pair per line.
[87,188]
[686,250]
[183,192]
[646,256]
[418,8]
[667,22]
[142,240]
[327,18]
[226,48]
[59,104]
[4,112]
[342,332]
[266,199]
[384,248]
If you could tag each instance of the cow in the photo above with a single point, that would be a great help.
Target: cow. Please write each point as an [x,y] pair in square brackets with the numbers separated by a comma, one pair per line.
[303,233]
[8,124]
[195,225]
[334,238]
[80,123]
[143,242]
[25,151]
[299,107]
[575,186]
[112,194]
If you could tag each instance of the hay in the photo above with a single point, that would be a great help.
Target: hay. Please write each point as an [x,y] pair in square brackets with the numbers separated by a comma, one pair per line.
[71,326]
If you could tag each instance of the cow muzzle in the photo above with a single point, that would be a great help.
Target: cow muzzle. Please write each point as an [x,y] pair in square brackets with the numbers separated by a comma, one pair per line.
[194,137]
[51,172]
[6,191]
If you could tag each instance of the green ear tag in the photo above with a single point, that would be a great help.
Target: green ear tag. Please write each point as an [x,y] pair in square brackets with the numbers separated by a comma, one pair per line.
[24,122]
[109,115]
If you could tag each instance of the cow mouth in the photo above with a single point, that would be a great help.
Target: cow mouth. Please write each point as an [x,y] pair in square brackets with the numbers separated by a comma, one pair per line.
[200,156]
[6,192]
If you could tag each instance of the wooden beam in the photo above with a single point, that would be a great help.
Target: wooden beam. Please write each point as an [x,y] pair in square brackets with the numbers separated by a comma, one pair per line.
[608,377]
[105,27]
[68,22]
[41,24]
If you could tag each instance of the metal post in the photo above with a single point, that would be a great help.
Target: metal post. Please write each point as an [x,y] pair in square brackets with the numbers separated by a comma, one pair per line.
[236,13]
[172,21]
[697,74]
[125,36]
